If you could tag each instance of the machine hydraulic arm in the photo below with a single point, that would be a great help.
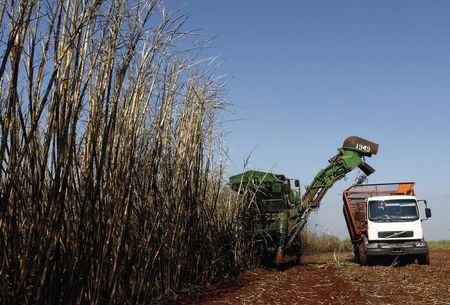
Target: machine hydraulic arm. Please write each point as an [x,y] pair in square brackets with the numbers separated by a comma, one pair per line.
[349,157]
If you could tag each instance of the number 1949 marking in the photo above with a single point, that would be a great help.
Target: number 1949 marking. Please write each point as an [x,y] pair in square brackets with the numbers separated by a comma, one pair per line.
[362,147]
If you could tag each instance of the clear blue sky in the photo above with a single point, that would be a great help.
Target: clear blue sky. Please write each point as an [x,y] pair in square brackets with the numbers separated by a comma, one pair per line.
[307,74]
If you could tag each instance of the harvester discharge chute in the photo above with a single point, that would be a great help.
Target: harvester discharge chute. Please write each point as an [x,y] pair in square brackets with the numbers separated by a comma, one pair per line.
[283,212]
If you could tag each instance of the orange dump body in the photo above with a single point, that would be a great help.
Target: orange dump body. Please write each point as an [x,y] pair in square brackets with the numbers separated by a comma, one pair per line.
[355,203]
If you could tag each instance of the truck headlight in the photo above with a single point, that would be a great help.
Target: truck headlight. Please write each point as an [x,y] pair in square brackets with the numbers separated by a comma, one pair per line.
[421,244]
[372,246]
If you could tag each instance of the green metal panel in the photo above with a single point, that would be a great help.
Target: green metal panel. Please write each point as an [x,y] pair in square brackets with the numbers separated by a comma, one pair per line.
[254,178]
[276,188]
[259,180]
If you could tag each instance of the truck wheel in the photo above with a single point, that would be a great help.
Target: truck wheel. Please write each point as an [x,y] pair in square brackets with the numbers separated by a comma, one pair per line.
[362,254]
[356,251]
[424,259]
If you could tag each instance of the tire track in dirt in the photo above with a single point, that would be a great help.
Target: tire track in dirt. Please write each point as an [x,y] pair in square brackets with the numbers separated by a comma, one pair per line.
[299,285]
[410,284]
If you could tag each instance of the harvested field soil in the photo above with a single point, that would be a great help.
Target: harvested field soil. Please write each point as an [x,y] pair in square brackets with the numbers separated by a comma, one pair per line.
[328,279]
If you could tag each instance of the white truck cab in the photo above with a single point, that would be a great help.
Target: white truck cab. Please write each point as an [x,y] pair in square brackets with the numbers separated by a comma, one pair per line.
[384,220]
[394,228]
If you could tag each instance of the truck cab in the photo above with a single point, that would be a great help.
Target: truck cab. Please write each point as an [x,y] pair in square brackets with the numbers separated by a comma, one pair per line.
[394,227]
[385,222]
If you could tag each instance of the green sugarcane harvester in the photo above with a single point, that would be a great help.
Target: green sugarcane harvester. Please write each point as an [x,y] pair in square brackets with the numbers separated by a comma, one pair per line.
[284,214]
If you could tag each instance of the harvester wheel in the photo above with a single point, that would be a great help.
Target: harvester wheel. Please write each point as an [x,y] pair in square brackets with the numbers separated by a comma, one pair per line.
[362,254]
[424,259]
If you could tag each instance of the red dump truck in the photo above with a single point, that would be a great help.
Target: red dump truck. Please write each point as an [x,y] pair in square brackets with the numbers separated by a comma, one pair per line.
[384,222]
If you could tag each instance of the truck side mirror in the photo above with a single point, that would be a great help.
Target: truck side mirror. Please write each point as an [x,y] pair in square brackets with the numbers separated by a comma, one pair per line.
[428,212]
[297,183]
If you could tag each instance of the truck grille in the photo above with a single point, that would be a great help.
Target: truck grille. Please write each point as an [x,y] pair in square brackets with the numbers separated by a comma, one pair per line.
[395,234]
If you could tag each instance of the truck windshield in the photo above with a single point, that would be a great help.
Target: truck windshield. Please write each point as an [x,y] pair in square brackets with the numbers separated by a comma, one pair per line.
[393,210]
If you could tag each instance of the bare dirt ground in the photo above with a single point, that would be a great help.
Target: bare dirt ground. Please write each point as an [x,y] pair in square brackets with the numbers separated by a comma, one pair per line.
[328,279]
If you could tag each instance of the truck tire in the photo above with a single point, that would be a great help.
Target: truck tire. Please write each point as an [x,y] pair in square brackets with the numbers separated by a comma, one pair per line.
[356,251]
[362,254]
[424,259]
